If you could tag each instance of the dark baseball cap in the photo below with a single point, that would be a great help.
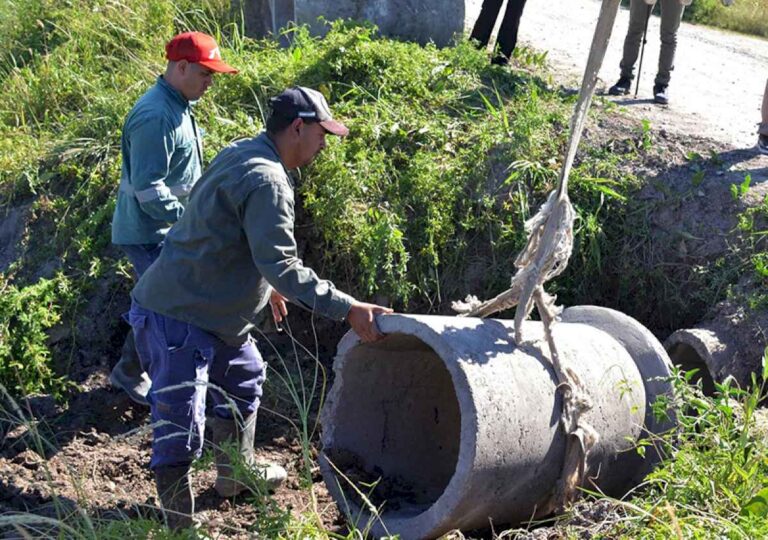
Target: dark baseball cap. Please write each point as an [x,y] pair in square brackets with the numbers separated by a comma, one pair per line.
[309,104]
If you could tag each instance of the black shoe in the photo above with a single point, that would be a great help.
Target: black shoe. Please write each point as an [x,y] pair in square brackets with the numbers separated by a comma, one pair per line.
[500,60]
[762,144]
[660,94]
[621,88]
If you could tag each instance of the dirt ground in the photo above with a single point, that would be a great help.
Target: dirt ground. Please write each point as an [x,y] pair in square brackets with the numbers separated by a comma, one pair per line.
[96,451]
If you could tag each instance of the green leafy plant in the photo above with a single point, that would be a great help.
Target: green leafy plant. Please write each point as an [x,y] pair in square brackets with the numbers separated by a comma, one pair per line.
[739,190]
[26,316]
[712,480]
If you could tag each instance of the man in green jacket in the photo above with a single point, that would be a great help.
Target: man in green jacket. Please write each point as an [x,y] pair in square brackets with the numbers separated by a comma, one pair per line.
[162,160]
[232,252]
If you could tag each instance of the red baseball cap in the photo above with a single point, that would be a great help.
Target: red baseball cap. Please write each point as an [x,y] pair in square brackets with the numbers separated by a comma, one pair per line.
[198,48]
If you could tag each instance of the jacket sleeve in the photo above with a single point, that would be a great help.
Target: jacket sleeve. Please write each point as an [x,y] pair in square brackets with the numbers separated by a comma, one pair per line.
[152,146]
[268,222]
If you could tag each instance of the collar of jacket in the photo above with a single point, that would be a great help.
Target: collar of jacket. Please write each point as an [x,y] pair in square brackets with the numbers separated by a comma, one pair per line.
[173,93]
[271,145]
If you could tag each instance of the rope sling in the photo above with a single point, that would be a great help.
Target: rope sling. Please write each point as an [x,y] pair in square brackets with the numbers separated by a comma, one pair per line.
[545,256]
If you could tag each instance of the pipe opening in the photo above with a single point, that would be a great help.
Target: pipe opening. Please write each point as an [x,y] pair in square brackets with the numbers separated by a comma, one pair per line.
[396,421]
[686,358]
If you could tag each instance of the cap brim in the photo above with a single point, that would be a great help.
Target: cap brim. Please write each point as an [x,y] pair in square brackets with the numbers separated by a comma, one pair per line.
[218,66]
[334,127]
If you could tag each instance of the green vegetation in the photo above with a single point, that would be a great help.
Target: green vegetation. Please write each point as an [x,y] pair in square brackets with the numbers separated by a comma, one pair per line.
[712,483]
[422,186]
[746,16]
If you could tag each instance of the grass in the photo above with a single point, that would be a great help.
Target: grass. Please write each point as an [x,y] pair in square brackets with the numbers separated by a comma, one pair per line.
[391,212]
[712,483]
[745,16]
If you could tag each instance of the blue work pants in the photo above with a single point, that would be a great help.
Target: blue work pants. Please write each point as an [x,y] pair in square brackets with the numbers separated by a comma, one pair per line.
[185,364]
[141,255]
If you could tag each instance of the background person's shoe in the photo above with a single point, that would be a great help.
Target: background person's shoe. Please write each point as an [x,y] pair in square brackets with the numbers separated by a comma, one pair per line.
[661,94]
[621,88]
[500,60]
[762,144]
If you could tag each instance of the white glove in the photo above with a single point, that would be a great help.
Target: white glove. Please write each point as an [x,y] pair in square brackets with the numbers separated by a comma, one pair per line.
[650,2]
[686,2]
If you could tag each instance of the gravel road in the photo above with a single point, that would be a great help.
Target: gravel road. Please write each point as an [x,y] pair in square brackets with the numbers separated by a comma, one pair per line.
[718,81]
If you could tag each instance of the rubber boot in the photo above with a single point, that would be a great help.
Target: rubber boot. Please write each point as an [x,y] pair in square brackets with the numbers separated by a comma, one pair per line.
[175,496]
[128,374]
[229,481]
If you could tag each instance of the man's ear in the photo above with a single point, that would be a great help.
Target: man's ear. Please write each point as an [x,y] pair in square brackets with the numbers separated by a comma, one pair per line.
[297,124]
[182,66]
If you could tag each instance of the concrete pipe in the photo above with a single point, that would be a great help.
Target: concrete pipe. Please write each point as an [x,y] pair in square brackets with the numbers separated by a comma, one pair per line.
[729,343]
[447,423]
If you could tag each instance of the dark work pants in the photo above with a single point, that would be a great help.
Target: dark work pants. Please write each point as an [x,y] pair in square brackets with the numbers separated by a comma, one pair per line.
[671,15]
[507,38]
[184,363]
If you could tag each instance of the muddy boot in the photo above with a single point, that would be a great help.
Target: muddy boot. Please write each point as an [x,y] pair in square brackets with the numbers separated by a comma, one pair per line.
[128,375]
[229,481]
[175,496]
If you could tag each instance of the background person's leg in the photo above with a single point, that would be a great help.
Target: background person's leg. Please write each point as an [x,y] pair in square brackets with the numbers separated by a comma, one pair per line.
[671,15]
[127,373]
[762,131]
[486,21]
[764,110]
[638,13]
[507,39]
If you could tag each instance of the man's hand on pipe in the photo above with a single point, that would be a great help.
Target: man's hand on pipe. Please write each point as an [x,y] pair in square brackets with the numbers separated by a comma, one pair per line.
[362,319]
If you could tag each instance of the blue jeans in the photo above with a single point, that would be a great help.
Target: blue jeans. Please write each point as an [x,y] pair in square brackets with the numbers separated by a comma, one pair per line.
[141,255]
[185,363]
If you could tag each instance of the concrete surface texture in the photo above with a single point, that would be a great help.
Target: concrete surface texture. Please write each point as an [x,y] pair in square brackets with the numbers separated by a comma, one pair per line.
[422,21]
[460,425]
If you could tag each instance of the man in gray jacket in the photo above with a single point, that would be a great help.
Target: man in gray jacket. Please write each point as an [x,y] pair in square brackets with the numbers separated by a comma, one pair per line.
[162,159]
[232,252]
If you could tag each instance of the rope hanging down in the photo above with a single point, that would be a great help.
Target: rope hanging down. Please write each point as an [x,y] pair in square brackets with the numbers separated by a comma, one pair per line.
[545,256]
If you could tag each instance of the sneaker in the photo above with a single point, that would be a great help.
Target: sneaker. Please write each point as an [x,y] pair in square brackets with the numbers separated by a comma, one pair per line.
[621,88]
[762,144]
[660,94]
